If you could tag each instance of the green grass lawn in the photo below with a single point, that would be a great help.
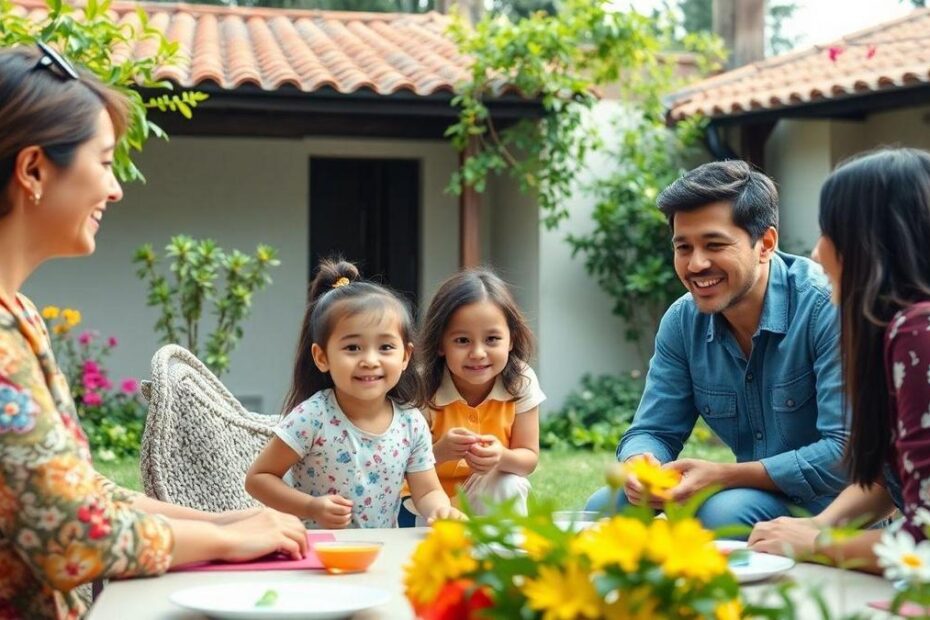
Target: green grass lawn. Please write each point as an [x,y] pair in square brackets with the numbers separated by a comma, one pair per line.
[566,478]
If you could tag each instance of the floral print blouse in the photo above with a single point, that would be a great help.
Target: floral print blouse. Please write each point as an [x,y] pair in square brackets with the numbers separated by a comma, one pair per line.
[907,362]
[61,523]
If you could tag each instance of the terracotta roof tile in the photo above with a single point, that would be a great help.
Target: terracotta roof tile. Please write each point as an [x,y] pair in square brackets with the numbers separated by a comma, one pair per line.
[892,55]
[384,53]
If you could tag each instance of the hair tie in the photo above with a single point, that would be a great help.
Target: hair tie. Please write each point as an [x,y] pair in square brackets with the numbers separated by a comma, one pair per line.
[343,281]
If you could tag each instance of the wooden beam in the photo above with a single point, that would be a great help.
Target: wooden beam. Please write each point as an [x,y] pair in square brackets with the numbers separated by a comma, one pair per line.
[469,218]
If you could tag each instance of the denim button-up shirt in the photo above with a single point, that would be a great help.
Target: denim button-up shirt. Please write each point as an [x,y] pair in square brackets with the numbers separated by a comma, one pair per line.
[781,406]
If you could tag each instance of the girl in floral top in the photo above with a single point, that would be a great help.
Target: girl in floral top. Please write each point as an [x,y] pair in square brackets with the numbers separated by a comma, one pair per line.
[875,223]
[61,523]
[350,438]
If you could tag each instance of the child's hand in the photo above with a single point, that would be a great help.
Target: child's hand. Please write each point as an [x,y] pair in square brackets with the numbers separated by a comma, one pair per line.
[455,444]
[446,513]
[332,512]
[484,454]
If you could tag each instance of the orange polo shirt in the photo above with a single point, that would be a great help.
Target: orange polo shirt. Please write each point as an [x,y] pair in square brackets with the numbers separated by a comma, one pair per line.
[494,416]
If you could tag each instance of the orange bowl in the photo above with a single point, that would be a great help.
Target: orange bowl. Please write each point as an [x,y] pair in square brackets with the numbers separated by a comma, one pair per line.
[346,556]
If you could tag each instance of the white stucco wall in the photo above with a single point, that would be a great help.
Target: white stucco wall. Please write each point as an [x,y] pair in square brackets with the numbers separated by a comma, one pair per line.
[801,153]
[797,157]
[240,192]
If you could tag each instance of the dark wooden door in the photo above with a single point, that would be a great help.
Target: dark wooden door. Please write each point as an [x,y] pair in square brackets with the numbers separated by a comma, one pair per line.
[368,211]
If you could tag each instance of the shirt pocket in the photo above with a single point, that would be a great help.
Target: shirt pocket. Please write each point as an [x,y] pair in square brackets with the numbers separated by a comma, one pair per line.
[795,410]
[718,408]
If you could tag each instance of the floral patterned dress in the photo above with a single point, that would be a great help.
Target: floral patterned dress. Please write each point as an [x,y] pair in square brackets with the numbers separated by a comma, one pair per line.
[907,362]
[61,523]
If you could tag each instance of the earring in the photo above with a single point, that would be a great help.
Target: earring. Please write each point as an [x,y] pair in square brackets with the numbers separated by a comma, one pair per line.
[36,197]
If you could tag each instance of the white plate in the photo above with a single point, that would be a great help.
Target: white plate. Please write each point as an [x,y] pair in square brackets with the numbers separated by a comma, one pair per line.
[761,565]
[307,600]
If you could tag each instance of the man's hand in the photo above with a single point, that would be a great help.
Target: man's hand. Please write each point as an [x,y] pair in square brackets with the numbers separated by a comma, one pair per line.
[455,444]
[635,492]
[484,455]
[696,475]
[786,536]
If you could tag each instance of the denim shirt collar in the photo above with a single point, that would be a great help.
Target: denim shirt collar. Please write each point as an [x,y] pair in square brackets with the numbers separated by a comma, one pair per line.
[775,306]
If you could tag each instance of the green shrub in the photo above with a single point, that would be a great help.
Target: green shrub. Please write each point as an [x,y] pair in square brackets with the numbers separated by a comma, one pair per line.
[595,415]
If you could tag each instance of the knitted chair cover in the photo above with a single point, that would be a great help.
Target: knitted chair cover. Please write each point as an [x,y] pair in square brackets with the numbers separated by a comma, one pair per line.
[198,441]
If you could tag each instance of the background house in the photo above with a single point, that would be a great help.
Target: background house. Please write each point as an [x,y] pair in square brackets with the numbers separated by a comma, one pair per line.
[798,115]
[324,131]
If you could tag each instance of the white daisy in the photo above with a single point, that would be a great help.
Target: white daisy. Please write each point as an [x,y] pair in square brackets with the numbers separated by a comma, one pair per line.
[28,539]
[914,359]
[898,373]
[908,465]
[925,419]
[902,558]
[902,430]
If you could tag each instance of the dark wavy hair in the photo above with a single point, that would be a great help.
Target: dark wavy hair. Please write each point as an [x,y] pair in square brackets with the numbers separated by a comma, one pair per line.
[751,194]
[875,209]
[464,288]
[328,304]
[38,107]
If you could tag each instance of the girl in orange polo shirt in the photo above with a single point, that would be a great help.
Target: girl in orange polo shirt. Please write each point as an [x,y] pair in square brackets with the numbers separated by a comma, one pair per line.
[483,398]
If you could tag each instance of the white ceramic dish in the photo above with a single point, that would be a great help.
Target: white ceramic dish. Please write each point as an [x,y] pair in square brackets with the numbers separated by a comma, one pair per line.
[759,566]
[317,601]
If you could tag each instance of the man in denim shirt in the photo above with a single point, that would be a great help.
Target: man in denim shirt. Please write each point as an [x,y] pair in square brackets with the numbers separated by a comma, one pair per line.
[752,348]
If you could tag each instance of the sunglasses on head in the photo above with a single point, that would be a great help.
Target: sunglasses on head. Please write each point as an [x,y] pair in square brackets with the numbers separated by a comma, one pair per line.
[55,62]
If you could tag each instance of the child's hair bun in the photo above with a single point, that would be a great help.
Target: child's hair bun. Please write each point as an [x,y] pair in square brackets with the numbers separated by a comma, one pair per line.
[332,273]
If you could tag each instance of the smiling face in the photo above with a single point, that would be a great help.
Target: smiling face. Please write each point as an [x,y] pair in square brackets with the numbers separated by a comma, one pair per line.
[476,344]
[74,198]
[365,355]
[715,259]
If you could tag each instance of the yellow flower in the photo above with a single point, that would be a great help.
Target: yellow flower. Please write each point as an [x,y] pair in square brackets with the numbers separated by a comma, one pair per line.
[563,595]
[633,604]
[445,554]
[730,610]
[656,480]
[50,312]
[71,317]
[619,541]
[536,545]
[685,549]
[61,328]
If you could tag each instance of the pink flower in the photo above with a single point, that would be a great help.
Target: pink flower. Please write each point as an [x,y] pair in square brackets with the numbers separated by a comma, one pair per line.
[90,366]
[86,338]
[112,341]
[93,380]
[834,52]
[129,386]
[92,399]
[870,52]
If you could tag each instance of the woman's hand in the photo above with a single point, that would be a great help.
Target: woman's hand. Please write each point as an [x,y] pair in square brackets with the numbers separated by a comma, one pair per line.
[484,454]
[788,536]
[332,512]
[264,532]
[446,512]
[231,516]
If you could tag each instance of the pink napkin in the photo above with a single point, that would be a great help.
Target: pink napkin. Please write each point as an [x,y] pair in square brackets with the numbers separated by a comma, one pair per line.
[908,610]
[275,561]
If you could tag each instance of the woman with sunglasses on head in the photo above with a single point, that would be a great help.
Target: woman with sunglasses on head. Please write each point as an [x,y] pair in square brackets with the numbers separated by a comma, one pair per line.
[875,248]
[61,523]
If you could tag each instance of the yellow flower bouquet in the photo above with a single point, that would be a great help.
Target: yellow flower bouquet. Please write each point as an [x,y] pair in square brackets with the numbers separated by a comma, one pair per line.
[628,566]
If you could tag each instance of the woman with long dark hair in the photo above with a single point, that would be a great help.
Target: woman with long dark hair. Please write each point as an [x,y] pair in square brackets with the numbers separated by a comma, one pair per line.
[62,525]
[875,248]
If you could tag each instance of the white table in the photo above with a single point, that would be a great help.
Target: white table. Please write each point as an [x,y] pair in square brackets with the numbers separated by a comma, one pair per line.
[145,599]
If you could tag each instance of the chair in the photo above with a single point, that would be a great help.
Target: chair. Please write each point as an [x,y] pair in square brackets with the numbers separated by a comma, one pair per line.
[199,441]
